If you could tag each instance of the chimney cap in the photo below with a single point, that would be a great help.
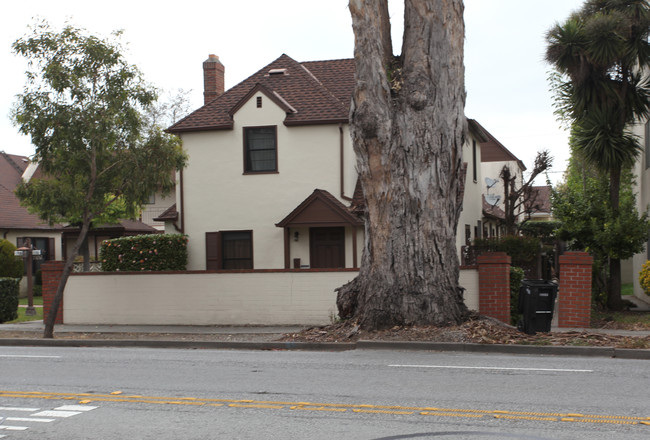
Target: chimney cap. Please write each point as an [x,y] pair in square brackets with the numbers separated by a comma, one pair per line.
[212,58]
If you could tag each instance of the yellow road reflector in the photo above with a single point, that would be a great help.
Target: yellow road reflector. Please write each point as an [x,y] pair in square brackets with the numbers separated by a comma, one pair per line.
[85,401]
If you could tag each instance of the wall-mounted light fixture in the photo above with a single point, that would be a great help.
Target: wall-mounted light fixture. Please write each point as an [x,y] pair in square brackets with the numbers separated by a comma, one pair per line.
[296,236]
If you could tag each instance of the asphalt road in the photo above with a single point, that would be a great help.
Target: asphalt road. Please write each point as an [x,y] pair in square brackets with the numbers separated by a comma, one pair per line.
[115,393]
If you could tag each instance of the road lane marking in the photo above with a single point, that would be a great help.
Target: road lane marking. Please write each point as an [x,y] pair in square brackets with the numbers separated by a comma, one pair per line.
[29,356]
[462,367]
[28,419]
[16,408]
[75,408]
[13,428]
[431,411]
[54,413]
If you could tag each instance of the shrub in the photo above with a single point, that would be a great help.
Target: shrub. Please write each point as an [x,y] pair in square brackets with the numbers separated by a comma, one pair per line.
[10,265]
[144,253]
[644,277]
[516,276]
[8,299]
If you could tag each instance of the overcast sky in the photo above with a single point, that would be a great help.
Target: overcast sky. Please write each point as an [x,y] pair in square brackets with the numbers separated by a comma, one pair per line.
[506,76]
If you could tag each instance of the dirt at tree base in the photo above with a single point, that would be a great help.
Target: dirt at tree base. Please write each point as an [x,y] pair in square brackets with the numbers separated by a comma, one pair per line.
[477,330]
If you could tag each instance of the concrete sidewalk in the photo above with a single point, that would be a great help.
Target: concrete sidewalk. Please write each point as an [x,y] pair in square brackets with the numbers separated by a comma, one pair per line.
[268,338]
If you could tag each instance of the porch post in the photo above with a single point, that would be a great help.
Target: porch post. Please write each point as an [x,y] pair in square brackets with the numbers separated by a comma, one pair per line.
[287,251]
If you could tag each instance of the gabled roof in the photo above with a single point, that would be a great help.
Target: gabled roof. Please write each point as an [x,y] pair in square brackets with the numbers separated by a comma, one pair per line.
[494,151]
[316,92]
[12,214]
[320,209]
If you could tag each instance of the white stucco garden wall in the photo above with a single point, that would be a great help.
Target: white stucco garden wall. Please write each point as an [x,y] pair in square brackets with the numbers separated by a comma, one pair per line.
[201,298]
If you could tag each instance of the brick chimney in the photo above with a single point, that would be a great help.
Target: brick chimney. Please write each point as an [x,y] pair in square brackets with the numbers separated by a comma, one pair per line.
[213,78]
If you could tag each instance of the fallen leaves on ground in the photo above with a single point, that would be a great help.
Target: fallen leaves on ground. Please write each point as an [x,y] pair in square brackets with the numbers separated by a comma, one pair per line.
[478,330]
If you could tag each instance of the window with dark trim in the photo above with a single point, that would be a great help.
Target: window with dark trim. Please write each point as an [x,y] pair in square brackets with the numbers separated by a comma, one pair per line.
[260,149]
[228,250]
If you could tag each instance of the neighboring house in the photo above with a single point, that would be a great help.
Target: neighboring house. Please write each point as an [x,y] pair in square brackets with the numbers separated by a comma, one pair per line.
[538,206]
[97,234]
[16,223]
[155,207]
[494,157]
[271,181]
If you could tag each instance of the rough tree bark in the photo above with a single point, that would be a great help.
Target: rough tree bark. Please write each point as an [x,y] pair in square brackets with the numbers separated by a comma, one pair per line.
[408,127]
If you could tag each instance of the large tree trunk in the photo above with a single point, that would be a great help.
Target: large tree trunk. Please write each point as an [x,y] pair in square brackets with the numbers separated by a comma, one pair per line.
[614,299]
[50,319]
[408,128]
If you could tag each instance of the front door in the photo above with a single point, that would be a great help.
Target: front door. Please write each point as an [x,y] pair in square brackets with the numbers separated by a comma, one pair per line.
[327,247]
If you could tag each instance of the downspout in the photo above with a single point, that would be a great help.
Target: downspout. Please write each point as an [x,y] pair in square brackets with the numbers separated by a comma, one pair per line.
[342,164]
[182,228]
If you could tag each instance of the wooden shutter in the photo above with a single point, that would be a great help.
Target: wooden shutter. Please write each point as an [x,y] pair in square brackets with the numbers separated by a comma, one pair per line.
[212,250]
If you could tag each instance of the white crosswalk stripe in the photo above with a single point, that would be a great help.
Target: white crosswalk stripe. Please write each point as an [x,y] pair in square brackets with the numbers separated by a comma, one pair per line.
[38,416]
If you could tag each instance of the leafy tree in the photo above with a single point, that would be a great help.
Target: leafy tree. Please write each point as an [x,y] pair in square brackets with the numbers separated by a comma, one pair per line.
[600,53]
[82,106]
[588,222]
[10,265]
[408,127]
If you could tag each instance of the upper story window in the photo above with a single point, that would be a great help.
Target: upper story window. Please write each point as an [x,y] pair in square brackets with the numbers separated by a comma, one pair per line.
[260,150]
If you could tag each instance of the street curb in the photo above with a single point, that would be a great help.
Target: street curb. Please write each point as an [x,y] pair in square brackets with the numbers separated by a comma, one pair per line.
[143,343]
[611,352]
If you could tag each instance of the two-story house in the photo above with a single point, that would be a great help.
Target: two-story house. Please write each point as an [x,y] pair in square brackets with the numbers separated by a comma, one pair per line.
[271,181]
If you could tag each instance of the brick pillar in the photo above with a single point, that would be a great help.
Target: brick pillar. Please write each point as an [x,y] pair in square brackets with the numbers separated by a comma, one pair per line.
[494,285]
[574,295]
[52,271]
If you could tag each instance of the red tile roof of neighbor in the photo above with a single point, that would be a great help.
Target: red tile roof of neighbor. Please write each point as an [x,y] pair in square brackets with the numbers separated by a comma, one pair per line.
[12,214]
[315,92]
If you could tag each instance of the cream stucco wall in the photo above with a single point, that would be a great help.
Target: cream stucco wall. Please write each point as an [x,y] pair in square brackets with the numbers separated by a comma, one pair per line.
[218,196]
[259,298]
[277,298]
[472,204]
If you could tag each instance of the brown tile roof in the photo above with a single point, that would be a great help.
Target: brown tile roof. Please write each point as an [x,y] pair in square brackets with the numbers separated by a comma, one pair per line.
[168,214]
[492,211]
[316,92]
[12,214]
[541,200]
[320,208]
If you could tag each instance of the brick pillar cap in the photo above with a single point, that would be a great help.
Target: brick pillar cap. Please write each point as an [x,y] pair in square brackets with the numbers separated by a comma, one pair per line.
[577,258]
[494,258]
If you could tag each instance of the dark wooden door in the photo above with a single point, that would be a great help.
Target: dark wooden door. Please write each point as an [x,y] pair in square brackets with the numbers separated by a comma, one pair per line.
[327,247]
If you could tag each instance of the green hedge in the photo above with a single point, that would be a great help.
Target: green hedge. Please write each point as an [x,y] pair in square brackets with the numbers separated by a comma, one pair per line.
[10,265]
[8,299]
[144,253]
[516,277]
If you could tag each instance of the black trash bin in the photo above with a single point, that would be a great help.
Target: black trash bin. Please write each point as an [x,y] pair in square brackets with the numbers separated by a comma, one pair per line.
[536,304]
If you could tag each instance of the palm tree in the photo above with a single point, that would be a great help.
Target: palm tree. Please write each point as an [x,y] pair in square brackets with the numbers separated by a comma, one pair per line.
[602,54]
